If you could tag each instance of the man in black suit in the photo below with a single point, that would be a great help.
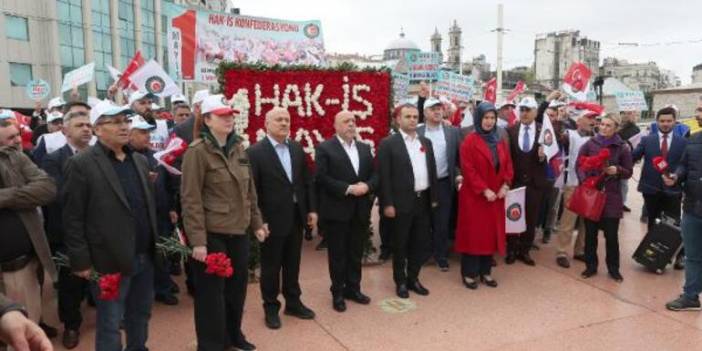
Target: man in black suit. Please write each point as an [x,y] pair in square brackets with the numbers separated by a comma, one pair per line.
[286,197]
[529,164]
[71,289]
[346,179]
[407,194]
[109,219]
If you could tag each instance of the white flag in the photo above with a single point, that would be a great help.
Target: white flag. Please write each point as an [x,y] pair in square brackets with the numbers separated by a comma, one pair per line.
[152,78]
[515,221]
[114,73]
[547,138]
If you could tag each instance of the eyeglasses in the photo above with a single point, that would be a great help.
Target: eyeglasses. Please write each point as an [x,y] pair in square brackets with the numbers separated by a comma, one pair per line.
[524,109]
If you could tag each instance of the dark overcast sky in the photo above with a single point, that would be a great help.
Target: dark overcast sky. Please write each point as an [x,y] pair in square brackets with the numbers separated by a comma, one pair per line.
[367,26]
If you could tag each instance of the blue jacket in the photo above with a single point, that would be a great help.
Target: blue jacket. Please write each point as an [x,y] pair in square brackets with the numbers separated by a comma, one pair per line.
[651,182]
[689,172]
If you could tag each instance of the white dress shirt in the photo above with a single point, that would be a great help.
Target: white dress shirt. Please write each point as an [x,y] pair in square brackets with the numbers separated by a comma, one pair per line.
[351,152]
[532,135]
[418,158]
[438,142]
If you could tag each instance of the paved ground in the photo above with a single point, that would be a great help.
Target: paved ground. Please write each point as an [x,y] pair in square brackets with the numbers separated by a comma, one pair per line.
[534,308]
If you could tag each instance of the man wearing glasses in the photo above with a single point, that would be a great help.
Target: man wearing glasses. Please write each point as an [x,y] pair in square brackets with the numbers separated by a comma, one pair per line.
[109,220]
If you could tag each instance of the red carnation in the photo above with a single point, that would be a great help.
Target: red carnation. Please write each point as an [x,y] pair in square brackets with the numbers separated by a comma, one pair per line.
[109,286]
[219,264]
[421,149]
[603,154]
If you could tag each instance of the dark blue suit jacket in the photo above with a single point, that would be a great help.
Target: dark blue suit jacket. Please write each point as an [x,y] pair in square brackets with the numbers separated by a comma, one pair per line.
[650,182]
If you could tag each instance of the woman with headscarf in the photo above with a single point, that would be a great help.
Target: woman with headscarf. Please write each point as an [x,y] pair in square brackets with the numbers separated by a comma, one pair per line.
[487,170]
[617,167]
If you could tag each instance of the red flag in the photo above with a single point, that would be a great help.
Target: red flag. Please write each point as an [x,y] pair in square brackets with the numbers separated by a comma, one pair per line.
[577,77]
[136,62]
[518,89]
[457,117]
[491,90]
[512,118]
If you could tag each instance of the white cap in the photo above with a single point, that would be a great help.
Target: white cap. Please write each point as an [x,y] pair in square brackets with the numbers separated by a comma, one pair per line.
[56,102]
[408,101]
[505,103]
[216,104]
[138,95]
[179,98]
[431,102]
[155,106]
[5,114]
[107,108]
[92,101]
[138,122]
[529,102]
[52,116]
[556,103]
[200,96]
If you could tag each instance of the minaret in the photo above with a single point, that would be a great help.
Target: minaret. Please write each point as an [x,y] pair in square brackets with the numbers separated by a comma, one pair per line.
[436,43]
[454,50]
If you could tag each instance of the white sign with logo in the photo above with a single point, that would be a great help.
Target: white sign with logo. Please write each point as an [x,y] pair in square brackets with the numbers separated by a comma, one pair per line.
[38,89]
[78,77]
[631,100]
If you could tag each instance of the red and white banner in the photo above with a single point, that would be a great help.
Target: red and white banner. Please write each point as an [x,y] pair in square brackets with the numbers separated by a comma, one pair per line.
[152,78]
[576,81]
[491,90]
[548,138]
[515,222]
[313,98]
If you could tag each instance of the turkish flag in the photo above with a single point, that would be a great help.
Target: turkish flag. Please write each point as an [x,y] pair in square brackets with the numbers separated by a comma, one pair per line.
[491,90]
[518,89]
[136,62]
[577,77]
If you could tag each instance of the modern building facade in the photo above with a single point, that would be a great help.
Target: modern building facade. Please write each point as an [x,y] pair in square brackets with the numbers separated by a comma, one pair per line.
[555,52]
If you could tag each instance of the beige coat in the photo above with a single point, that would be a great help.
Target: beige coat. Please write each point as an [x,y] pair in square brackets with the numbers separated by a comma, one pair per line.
[26,187]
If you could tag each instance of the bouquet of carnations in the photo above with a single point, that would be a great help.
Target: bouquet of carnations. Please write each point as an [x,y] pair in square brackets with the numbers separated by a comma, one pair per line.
[108,283]
[217,263]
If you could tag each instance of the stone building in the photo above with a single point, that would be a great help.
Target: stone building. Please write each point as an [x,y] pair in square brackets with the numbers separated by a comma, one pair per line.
[556,51]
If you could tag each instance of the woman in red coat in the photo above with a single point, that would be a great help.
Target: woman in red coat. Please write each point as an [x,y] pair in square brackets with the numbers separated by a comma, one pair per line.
[487,172]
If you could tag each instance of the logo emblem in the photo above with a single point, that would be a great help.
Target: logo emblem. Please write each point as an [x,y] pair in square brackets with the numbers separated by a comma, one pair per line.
[311,30]
[514,212]
[155,85]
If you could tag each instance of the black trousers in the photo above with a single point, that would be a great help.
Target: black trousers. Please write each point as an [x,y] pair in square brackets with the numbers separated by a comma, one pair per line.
[659,204]
[522,243]
[411,240]
[474,265]
[345,240]
[281,253]
[219,302]
[610,227]
[385,230]
[70,291]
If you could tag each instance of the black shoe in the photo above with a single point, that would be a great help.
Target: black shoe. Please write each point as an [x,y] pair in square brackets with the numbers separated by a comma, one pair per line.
[300,311]
[71,338]
[169,300]
[534,247]
[322,245]
[417,287]
[526,259]
[580,258]
[338,303]
[272,319]
[243,345]
[511,258]
[50,331]
[470,283]
[487,280]
[175,289]
[616,276]
[443,264]
[384,255]
[358,297]
[683,304]
[679,263]
[563,261]
[588,273]
[402,291]
[547,236]
[626,208]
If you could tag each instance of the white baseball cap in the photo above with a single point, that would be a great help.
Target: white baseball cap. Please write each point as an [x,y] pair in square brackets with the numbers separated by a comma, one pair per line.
[107,108]
[528,102]
[216,104]
[556,103]
[200,96]
[138,95]
[179,98]
[52,116]
[138,122]
[56,102]
[431,102]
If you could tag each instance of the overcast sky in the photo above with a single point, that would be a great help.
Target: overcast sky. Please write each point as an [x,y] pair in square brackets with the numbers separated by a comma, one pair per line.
[367,26]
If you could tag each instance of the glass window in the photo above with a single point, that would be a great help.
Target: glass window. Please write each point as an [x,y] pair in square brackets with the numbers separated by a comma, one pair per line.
[20,74]
[16,27]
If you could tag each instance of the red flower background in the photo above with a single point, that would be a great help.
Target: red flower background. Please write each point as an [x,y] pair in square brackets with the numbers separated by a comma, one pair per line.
[379,96]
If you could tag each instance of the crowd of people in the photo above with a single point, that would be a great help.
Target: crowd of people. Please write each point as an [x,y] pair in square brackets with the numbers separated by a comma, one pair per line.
[86,196]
